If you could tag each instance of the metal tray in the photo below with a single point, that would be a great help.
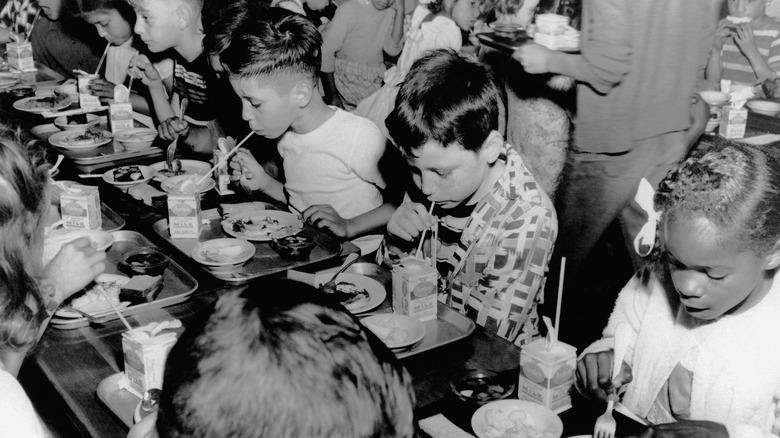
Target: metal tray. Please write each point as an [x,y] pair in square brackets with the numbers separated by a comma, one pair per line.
[111,220]
[265,262]
[178,285]
[120,401]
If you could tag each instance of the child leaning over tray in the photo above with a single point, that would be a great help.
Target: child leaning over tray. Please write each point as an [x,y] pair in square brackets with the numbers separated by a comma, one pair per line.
[330,157]
[496,227]
[700,322]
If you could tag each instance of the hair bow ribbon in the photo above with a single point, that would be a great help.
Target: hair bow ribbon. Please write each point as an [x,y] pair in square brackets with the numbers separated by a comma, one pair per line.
[646,236]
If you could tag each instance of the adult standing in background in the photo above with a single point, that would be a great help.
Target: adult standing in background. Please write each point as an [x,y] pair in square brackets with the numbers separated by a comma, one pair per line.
[640,64]
[63,42]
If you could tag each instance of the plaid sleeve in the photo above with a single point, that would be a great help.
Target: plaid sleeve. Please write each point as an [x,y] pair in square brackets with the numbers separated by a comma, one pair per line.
[512,274]
[18,15]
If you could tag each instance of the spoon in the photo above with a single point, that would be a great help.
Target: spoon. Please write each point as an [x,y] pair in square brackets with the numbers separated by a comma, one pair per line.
[53,169]
[331,284]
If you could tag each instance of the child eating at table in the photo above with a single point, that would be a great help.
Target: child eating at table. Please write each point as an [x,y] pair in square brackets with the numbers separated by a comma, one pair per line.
[288,363]
[747,45]
[176,24]
[701,320]
[496,227]
[330,157]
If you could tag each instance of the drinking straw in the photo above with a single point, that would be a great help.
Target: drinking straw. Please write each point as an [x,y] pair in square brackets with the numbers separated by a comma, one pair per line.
[32,26]
[560,297]
[124,321]
[102,58]
[224,159]
[132,64]
[418,254]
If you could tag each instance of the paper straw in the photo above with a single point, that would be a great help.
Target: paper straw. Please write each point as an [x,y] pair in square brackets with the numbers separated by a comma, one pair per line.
[32,26]
[102,58]
[418,254]
[224,159]
[560,297]
[124,321]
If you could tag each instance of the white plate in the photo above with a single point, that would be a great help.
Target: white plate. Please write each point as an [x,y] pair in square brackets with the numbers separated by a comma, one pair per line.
[147,172]
[64,139]
[99,307]
[376,292]
[539,421]
[215,252]
[396,331]
[189,167]
[62,122]
[170,184]
[270,222]
[21,104]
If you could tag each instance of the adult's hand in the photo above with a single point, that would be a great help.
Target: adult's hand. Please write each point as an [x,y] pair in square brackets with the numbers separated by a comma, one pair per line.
[409,220]
[533,57]
[594,374]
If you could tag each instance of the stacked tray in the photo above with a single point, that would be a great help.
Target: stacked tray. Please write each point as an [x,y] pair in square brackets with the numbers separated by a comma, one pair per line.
[178,284]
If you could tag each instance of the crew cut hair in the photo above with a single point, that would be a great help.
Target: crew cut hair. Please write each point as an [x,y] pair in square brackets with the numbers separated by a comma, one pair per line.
[445,98]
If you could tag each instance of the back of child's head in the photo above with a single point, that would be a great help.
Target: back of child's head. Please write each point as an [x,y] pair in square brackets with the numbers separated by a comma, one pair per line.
[221,19]
[23,181]
[282,360]
[445,98]
[735,187]
[124,8]
[435,6]
[276,42]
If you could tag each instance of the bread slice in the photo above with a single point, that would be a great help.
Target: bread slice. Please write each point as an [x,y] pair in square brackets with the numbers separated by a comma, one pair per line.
[141,289]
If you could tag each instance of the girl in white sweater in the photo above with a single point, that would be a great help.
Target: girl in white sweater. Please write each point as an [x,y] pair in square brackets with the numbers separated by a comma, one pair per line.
[701,322]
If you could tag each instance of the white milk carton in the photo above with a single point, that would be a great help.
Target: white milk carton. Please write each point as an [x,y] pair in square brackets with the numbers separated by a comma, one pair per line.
[80,208]
[184,215]
[86,98]
[222,174]
[120,116]
[145,350]
[415,287]
[20,55]
[733,122]
[547,374]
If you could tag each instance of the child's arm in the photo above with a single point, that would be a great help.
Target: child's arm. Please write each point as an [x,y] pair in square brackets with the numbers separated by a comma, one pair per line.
[714,67]
[744,39]
[325,216]
[252,177]
[144,70]
[394,44]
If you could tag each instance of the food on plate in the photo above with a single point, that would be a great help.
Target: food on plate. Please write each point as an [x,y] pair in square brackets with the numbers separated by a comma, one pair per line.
[128,174]
[738,20]
[297,247]
[254,226]
[348,294]
[223,254]
[512,423]
[99,296]
[141,288]
[52,101]
[91,136]
[387,331]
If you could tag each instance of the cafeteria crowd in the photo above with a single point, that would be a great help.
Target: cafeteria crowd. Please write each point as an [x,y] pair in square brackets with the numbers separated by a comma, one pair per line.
[384,119]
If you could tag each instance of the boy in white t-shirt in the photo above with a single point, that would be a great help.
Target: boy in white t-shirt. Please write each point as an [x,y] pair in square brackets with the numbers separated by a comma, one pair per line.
[330,156]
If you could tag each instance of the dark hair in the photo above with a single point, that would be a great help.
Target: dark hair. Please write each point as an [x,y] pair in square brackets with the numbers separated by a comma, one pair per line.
[124,8]
[445,98]
[736,187]
[276,42]
[435,6]
[23,199]
[283,360]
[221,18]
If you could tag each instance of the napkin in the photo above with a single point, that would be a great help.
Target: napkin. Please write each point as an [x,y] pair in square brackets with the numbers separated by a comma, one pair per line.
[438,426]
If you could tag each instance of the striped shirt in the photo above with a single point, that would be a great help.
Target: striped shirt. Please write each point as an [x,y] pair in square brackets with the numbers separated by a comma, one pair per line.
[511,231]
[193,80]
[736,67]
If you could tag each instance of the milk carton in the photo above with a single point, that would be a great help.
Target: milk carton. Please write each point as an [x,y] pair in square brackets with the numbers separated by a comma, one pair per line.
[415,288]
[86,98]
[222,174]
[80,207]
[547,374]
[184,215]
[145,350]
[20,55]
[733,122]
[120,116]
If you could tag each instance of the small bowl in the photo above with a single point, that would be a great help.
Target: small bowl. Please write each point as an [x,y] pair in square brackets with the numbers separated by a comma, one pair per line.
[714,97]
[136,139]
[765,107]
[508,30]
[63,123]
[513,417]
[144,261]
[480,386]
[294,247]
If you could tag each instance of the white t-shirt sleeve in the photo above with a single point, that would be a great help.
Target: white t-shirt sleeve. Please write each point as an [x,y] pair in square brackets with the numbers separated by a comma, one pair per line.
[17,416]
[368,150]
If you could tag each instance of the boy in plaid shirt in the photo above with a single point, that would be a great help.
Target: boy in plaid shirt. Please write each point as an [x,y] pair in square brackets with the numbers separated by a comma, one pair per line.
[496,227]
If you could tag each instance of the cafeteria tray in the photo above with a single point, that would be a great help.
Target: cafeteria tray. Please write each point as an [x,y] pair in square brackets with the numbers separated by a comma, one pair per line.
[178,284]
[120,401]
[265,261]
[111,220]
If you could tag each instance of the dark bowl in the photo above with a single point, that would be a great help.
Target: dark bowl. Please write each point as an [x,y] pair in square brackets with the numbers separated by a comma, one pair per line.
[294,247]
[481,386]
[144,261]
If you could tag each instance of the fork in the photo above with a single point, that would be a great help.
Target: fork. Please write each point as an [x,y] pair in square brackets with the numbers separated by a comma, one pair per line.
[171,151]
[331,284]
[606,426]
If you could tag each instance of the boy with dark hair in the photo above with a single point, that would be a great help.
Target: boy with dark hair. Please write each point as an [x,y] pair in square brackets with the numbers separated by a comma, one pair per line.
[176,24]
[289,363]
[330,157]
[496,227]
